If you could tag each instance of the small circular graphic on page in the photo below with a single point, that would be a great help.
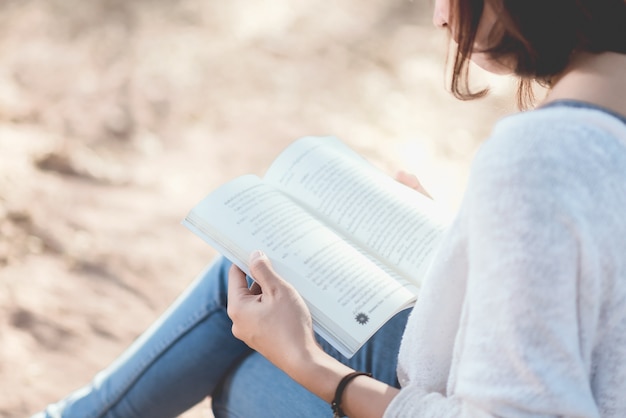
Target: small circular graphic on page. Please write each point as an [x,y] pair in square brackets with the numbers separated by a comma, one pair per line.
[362,318]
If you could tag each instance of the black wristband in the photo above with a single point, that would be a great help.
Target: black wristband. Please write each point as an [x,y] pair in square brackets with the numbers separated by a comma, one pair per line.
[336,403]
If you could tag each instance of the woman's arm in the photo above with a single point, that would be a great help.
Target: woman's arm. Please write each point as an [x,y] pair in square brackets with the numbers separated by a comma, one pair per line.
[272,318]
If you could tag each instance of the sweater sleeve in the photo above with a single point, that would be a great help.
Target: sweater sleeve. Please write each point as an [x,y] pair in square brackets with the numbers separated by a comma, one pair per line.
[520,353]
[518,350]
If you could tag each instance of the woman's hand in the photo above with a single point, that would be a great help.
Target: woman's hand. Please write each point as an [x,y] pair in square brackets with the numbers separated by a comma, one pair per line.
[411,181]
[270,317]
[273,319]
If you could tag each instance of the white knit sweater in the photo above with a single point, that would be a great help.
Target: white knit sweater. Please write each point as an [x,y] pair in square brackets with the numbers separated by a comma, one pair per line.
[523,313]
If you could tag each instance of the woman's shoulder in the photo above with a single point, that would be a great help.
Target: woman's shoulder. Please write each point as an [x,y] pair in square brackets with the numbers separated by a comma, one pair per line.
[553,154]
[562,122]
[561,135]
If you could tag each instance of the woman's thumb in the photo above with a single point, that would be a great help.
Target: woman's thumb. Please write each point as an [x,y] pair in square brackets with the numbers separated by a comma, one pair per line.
[262,271]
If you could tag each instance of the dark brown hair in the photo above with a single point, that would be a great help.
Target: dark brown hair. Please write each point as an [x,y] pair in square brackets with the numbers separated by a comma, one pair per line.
[537,36]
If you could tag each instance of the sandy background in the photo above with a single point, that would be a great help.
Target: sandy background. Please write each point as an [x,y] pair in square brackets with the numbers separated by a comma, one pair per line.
[116,117]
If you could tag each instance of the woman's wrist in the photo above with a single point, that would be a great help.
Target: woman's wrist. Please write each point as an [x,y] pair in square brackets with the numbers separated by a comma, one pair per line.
[318,372]
[321,374]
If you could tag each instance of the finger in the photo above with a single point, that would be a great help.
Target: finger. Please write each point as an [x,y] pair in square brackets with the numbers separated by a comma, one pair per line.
[237,283]
[262,271]
[411,181]
[407,179]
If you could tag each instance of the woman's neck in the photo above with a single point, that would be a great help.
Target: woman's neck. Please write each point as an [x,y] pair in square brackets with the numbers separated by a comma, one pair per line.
[599,79]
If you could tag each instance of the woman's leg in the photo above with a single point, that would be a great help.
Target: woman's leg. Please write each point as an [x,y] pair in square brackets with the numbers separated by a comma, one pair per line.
[257,389]
[175,364]
[185,355]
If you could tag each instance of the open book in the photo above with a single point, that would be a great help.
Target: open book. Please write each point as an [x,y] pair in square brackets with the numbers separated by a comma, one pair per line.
[354,242]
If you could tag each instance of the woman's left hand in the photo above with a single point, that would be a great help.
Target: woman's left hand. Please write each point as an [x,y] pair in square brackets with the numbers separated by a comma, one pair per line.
[271,317]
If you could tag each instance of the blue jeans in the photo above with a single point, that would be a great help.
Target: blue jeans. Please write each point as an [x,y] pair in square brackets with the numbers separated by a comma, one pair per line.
[190,353]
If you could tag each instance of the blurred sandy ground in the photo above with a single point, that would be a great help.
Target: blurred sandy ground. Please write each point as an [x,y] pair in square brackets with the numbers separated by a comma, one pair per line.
[117,116]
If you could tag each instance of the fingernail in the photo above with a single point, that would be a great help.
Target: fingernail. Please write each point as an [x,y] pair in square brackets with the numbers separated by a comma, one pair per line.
[257,255]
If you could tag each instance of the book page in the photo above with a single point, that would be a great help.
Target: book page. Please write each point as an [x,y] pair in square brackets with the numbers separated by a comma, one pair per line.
[397,224]
[350,295]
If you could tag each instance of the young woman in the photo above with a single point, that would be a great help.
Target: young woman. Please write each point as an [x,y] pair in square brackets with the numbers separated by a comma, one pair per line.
[523,313]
